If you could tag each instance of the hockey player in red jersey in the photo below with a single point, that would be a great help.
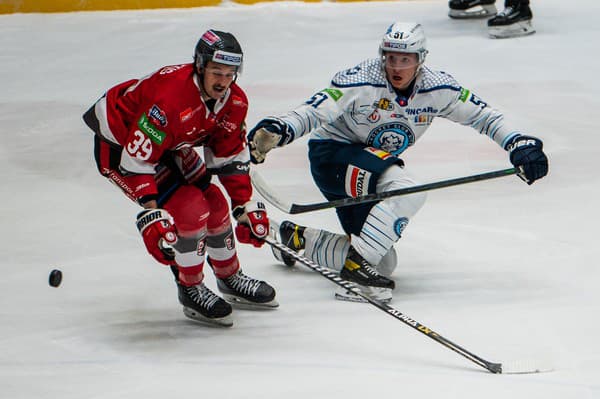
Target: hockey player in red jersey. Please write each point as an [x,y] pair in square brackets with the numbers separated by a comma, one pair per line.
[146,131]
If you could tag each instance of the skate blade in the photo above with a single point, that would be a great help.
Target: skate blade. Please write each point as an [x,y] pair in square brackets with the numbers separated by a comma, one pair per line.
[383,295]
[190,313]
[522,28]
[241,303]
[482,11]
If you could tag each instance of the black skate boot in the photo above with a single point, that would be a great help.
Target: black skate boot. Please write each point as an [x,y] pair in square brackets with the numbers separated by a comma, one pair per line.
[201,304]
[247,292]
[464,9]
[513,21]
[357,270]
[292,236]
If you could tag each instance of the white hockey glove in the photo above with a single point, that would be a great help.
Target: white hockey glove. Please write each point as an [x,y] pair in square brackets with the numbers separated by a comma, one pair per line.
[253,223]
[266,135]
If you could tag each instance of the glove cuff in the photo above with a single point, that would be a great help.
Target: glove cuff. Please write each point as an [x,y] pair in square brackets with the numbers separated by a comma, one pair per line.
[149,216]
[524,141]
[238,211]
[250,206]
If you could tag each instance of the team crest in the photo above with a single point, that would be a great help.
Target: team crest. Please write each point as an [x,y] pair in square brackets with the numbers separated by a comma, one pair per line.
[393,137]
[400,225]
[157,116]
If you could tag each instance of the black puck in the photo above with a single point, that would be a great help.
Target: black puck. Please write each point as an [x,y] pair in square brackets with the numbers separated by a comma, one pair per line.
[55,278]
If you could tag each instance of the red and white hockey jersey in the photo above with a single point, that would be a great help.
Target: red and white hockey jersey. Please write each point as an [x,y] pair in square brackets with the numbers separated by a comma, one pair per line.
[164,113]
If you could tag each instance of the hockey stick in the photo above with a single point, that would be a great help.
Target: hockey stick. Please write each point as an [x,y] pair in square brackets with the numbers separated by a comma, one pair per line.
[517,367]
[263,188]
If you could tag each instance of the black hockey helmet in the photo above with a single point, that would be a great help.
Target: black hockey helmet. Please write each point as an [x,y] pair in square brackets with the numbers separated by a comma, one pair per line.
[219,47]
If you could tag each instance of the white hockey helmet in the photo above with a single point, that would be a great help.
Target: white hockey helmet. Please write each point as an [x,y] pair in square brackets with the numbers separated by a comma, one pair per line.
[404,37]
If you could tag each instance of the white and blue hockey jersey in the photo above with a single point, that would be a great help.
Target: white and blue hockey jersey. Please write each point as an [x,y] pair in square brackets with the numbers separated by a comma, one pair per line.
[361,106]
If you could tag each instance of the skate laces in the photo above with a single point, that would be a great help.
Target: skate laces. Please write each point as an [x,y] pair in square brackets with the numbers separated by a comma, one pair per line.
[244,284]
[202,295]
[369,269]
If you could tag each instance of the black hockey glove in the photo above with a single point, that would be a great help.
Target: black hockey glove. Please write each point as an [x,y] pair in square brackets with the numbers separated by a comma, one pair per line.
[267,134]
[527,155]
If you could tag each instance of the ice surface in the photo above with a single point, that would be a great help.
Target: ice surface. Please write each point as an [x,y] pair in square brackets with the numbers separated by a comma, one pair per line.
[506,270]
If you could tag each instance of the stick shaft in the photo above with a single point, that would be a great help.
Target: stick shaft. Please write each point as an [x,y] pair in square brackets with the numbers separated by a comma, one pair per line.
[492,367]
[300,208]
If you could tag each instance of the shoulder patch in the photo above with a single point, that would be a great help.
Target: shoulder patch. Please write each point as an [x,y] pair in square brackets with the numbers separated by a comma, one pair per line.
[334,93]
[464,94]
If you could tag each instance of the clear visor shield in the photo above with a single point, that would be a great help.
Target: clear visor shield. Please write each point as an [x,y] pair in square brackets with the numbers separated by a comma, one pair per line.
[400,60]
[220,73]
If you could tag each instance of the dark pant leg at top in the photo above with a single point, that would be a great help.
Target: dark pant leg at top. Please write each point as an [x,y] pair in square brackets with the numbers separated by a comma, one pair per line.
[343,170]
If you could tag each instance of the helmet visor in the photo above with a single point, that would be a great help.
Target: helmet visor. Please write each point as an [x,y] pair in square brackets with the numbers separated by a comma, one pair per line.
[400,60]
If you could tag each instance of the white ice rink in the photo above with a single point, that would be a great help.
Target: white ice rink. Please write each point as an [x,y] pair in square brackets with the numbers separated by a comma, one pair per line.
[508,271]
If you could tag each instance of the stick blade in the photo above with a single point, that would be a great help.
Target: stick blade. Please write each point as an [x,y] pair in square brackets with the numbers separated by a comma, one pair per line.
[260,184]
[527,366]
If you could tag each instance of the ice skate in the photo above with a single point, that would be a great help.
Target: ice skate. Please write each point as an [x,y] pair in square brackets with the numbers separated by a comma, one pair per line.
[513,21]
[357,270]
[247,292]
[290,235]
[467,9]
[381,294]
[201,304]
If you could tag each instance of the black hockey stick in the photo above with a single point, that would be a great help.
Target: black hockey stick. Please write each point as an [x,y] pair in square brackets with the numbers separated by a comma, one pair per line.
[518,367]
[263,188]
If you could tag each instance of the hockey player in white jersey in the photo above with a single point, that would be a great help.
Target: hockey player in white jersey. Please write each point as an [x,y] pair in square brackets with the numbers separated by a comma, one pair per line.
[359,126]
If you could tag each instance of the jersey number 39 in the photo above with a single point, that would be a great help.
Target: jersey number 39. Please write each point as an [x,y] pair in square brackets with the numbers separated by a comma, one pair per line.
[140,147]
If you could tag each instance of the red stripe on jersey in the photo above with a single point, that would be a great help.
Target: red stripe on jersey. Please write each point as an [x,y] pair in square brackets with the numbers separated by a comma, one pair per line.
[353,182]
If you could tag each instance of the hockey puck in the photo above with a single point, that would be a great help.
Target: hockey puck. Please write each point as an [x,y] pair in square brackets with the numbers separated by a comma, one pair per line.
[55,278]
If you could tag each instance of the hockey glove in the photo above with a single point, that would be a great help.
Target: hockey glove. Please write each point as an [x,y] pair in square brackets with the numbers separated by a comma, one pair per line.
[527,155]
[159,234]
[266,135]
[253,223]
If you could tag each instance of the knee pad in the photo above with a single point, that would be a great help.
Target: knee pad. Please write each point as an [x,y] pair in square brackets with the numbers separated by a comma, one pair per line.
[219,219]
[190,210]
[395,178]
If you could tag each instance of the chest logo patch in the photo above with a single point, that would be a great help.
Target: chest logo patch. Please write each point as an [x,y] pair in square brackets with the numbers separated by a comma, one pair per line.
[384,104]
[158,116]
[393,137]
[374,117]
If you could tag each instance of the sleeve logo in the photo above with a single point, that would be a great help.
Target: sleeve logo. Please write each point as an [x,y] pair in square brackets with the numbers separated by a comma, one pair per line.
[334,93]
